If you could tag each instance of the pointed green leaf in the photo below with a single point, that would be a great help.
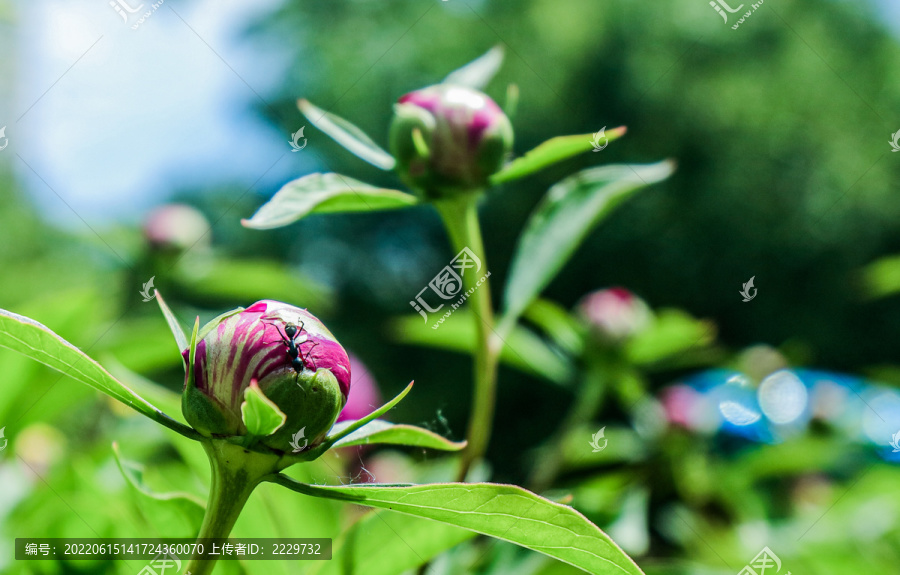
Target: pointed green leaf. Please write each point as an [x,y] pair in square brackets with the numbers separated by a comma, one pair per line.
[550,152]
[36,341]
[347,135]
[260,414]
[180,338]
[479,72]
[323,194]
[134,474]
[383,432]
[563,219]
[506,512]
[344,429]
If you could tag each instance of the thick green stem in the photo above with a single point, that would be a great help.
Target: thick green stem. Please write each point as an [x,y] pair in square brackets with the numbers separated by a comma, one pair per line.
[235,473]
[460,216]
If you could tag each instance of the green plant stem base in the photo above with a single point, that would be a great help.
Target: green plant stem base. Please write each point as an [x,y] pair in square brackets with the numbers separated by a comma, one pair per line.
[236,472]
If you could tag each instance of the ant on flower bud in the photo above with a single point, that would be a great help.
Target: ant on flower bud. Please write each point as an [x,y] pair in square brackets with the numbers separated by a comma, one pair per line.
[292,331]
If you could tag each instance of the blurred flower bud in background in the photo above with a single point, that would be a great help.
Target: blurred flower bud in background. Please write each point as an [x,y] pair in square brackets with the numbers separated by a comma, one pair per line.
[613,315]
[176,228]
[449,139]
[365,398]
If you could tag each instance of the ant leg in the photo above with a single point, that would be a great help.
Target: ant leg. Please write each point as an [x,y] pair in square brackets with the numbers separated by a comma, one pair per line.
[308,352]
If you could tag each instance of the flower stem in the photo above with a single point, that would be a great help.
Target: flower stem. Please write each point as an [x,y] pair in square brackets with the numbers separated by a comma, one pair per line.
[235,473]
[460,216]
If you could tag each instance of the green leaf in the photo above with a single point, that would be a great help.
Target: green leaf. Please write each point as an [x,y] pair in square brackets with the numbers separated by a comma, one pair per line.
[479,72]
[550,152]
[260,414]
[383,543]
[36,341]
[181,339]
[558,324]
[379,431]
[522,349]
[881,278]
[134,474]
[506,512]
[346,134]
[563,219]
[324,194]
[671,332]
[345,428]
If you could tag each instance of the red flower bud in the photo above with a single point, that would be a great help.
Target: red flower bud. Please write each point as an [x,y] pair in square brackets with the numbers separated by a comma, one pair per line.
[614,314]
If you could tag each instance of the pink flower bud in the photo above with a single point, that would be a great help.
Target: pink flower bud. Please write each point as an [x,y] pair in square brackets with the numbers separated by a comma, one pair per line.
[449,139]
[295,360]
[614,314]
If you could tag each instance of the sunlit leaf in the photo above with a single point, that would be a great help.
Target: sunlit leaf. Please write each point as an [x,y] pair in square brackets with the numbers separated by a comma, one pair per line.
[477,73]
[383,432]
[506,512]
[39,343]
[323,194]
[550,152]
[347,135]
[345,428]
[383,543]
[181,339]
[563,219]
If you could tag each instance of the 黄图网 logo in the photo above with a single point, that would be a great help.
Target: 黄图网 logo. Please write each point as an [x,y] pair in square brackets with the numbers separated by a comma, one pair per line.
[148,287]
[894,138]
[895,441]
[746,291]
[765,563]
[596,438]
[6,140]
[448,285]
[3,440]
[601,135]
[295,140]
[716,3]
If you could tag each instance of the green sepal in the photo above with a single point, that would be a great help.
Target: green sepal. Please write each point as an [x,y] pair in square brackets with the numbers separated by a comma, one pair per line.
[312,403]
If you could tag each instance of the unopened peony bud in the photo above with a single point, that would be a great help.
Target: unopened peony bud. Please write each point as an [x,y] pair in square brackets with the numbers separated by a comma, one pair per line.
[614,314]
[307,376]
[449,139]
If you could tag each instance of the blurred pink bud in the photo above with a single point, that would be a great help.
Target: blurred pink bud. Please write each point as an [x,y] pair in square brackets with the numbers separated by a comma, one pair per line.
[614,314]
[176,227]
[365,398]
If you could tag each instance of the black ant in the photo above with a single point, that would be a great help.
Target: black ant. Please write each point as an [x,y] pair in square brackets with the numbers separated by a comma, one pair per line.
[291,332]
